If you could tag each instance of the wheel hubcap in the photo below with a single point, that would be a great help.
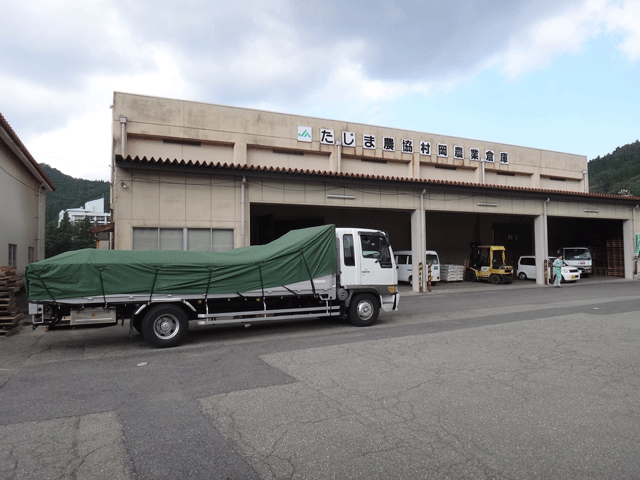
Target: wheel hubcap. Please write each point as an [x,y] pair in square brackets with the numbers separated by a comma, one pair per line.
[166,326]
[365,310]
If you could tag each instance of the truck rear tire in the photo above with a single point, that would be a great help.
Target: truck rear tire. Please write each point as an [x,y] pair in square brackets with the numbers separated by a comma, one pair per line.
[494,279]
[363,310]
[165,326]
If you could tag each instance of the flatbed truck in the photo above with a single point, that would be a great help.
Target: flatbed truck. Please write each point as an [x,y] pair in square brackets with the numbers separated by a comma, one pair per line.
[310,273]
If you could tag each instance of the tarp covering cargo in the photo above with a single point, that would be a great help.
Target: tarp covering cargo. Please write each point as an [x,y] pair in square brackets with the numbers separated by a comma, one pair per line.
[300,255]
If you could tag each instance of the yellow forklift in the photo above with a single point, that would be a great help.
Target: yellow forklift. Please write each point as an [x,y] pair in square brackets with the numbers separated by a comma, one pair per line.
[488,262]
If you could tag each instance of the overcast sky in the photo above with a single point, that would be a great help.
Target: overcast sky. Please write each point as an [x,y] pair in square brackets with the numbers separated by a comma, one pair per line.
[557,75]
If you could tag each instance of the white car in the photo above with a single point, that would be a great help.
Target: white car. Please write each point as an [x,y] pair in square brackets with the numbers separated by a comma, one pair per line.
[527,269]
[404,261]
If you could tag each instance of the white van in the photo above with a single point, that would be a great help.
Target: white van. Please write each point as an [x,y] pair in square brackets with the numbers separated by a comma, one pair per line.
[527,269]
[404,260]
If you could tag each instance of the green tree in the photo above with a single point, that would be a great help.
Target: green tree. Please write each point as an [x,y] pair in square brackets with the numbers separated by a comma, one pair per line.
[67,236]
[81,237]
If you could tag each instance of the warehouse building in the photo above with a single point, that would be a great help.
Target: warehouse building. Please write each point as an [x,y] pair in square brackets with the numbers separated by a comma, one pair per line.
[195,176]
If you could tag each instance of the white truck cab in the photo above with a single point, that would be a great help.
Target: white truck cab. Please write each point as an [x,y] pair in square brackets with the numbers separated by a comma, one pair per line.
[367,263]
[578,257]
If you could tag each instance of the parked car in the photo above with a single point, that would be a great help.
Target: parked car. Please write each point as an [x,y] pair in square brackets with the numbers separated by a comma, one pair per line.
[527,270]
[404,261]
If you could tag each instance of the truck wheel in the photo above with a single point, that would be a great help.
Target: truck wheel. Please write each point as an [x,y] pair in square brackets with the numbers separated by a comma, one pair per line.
[494,279]
[470,276]
[363,310]
[522,276]
[165,326]
[410,280]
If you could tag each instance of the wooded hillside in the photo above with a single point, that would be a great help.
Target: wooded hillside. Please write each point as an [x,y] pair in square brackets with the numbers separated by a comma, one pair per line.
[72,192]
[616,172]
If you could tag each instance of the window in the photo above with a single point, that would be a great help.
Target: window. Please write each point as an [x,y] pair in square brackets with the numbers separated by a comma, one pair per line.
[401,259]
[199,240]
[432,259]
[13,255]
[347,246]
[376,246]
[171,239]
[192,239]
[221,240]
[145,239]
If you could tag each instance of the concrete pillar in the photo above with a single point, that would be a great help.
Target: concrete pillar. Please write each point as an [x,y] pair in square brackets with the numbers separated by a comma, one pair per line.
[541,245]
[628,237]
[418,235]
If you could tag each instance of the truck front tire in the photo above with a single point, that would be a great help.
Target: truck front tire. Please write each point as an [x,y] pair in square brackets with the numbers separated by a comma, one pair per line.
[165,326]
[363,310]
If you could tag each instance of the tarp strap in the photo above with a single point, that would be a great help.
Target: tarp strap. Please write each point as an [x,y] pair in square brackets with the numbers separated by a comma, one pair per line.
[153,286]
[206,293]
[45,287]
[261,281]
[313,287]
[288,289]
[102,286]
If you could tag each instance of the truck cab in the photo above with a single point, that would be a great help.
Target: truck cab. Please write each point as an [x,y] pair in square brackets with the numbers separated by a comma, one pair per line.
[366,268]
[578,257]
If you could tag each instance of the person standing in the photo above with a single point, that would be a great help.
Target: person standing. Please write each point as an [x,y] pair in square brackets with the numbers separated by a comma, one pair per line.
[557,271]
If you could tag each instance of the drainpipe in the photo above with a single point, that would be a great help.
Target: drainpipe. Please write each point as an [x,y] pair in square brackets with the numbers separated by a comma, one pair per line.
[242,202]
[339,144]
[482,162]
[423,241]
[123,134]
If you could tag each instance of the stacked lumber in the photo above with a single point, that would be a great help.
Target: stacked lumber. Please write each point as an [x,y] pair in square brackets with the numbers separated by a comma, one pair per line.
[615,258]
[451,273]
[9,288]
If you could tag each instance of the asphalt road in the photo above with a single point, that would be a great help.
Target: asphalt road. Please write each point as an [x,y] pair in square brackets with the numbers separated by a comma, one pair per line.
[471,381]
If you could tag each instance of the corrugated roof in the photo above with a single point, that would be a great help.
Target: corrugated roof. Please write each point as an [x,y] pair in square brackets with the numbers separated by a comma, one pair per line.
[33,163]
[361,176]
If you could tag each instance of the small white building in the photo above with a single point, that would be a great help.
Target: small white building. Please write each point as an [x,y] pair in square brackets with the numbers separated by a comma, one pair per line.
[93,209]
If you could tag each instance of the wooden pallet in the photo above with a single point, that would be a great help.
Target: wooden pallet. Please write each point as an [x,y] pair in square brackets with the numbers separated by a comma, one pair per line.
[9,322]
[9,287]
[9,331]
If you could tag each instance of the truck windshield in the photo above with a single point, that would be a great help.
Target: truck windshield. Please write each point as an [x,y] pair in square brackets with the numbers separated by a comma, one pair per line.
[376,246]
[576,254]
[432,259]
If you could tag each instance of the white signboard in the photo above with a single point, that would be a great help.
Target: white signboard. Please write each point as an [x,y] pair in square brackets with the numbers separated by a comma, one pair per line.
[304,134]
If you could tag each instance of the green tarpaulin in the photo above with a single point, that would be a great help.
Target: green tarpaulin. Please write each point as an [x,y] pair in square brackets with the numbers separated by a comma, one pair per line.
[297,256]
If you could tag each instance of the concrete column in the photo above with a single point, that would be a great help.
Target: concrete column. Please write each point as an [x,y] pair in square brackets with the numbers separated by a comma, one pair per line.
[541,242]
[628,237]
[418,234]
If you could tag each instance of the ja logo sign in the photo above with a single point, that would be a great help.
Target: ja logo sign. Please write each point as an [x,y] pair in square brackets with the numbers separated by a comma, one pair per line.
[304,134]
